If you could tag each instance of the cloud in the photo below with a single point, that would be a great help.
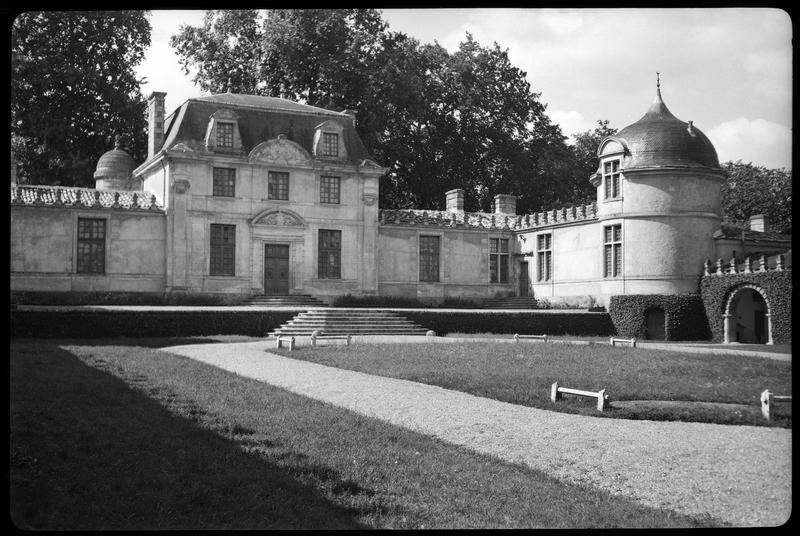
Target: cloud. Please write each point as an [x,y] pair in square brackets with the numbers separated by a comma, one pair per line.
[758,141]
[571,122]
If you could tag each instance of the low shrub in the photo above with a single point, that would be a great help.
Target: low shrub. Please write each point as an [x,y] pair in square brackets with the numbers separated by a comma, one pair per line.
[99,324]
[348,300]
[527,323]
[122,298]
[684,315]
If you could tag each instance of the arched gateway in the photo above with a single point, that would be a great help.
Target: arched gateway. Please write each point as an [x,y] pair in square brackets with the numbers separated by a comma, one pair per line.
[747,316]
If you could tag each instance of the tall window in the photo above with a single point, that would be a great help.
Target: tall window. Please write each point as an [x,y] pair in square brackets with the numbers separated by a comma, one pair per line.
[330,254]
[613,251]
[224,182]
[329,189]
[223,249]
[225,135]
[278,185]
[91,246]
[611,179]
[330,144]
[429,258]
[544,254]
[498,260]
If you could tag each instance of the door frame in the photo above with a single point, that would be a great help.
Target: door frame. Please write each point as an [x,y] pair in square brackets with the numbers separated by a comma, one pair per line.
[265,245]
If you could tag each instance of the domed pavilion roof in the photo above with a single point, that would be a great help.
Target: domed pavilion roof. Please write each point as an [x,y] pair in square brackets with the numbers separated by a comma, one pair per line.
[659,139]
[115,163]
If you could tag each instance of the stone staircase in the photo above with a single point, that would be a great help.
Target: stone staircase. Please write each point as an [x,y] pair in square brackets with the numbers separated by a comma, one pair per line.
[511,302]
[335,321]
[285,300]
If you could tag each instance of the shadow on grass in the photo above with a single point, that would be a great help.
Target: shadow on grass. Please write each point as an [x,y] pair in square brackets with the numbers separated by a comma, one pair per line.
[144,342]
[89,452]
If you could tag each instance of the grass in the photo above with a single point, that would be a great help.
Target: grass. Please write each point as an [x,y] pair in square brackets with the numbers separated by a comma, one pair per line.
[116,435]
[522,374]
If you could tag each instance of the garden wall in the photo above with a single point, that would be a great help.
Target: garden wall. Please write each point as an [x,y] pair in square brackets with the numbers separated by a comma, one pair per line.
[777,287]
[684,315]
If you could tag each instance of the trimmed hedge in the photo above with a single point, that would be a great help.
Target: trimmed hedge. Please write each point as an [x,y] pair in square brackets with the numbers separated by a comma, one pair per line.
[777,286]
[532,323]
[122,298]
[101,324]
[402,302]
[684,315]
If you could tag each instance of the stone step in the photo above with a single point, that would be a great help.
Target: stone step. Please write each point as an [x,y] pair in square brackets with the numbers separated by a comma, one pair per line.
[349,322]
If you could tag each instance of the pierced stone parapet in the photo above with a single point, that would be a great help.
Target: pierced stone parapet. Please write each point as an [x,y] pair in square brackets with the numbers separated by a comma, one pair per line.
[62,196]
[484,220]
[775,263]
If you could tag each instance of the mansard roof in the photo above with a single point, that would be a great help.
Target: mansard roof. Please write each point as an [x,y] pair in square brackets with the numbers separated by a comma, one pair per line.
[260,119]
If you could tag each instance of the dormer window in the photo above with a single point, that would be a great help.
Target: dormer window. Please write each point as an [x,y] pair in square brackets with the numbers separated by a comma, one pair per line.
[330,144]
[225,135]
[611,179]
[329,141]
[222,133]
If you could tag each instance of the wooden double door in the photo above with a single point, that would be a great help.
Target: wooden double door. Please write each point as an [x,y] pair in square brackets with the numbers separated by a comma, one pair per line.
[276,268]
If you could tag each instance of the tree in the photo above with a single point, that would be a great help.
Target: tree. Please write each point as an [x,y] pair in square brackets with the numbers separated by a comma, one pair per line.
[73,89]
[438,120]
[586,159]
[750,190]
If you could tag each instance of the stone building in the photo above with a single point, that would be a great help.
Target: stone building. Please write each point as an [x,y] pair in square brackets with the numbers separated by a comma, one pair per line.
[243,195]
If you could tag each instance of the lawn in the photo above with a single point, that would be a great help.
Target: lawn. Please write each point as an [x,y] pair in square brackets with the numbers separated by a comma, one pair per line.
[116,435]
[523,373]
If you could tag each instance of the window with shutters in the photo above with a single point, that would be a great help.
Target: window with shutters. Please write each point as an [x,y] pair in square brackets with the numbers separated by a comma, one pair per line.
[613,251]
[224,182]
[544,257]
[611,179]
[278,185]
[91,257]
[498,260]
[429,258]
[330,254]
[223,249]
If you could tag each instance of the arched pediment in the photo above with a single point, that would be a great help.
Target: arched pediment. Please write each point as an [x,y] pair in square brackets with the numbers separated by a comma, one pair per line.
[279,217]
[612,145]
[280,151]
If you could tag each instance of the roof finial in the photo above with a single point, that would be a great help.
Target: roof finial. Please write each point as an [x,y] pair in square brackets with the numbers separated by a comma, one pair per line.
[229,84]
[118,142]
[658,100]
[658,80]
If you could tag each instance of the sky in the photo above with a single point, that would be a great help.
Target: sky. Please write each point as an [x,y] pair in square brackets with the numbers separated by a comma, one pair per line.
[729,70]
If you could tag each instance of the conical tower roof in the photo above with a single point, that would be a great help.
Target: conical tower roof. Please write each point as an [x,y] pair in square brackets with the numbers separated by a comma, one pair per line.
[659,139]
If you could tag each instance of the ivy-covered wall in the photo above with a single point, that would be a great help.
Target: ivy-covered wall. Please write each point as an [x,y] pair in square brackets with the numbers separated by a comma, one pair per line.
[684,315]
[777,286]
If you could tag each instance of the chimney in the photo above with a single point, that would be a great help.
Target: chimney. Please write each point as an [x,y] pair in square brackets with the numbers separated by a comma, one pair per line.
[455,200]
[758,222]
[155,122]
[505,204]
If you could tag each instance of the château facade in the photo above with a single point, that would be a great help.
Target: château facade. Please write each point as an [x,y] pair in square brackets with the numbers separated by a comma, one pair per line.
[242,195]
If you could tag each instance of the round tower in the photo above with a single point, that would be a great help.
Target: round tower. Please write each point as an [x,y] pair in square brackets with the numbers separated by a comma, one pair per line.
[658,198]
[115,170]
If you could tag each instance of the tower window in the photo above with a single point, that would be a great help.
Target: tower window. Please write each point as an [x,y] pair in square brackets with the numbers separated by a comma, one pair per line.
[613,251]
[611,179]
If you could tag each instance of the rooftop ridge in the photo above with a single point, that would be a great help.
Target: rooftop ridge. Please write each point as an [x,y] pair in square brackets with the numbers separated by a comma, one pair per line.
[296,107]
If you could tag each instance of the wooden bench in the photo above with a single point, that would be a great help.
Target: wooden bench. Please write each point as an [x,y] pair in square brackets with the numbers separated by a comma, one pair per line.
[768,399]
[281,339]
[556,392]
[322,337]
[615,340]
[517,337]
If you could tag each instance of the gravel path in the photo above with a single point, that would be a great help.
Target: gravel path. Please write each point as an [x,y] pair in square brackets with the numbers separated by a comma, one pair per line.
[740,474]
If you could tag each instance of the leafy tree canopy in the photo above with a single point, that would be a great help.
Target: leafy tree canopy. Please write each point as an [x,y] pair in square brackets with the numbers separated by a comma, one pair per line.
[585,152]
[749,190]
[73,89]
[438,120]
